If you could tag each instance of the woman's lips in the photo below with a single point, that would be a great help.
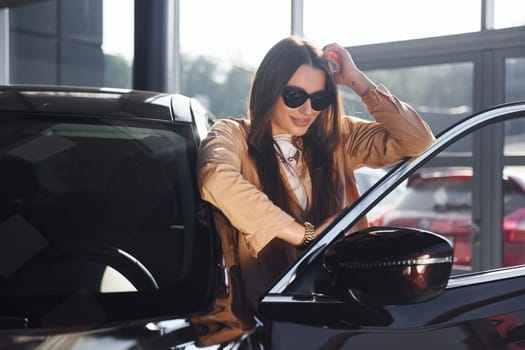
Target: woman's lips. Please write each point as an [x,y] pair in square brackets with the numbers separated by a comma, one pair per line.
[300,122]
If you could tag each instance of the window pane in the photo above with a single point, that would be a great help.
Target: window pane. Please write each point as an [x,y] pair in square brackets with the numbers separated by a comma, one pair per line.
[514,91]
[4,42]
[514,79]
[441,93]
[374,21]
[221,52]
[515,138]
[509,13]
[118,42]
[54,42]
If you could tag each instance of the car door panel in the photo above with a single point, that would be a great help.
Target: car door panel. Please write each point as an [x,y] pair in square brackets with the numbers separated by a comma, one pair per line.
[468,317]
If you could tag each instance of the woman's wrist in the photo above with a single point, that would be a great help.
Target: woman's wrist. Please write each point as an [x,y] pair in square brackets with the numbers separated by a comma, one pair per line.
[359,82]
[293,234]
[309,233]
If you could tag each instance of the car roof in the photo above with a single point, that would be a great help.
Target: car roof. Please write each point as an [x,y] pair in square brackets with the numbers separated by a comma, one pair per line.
[80,101]
[439,173]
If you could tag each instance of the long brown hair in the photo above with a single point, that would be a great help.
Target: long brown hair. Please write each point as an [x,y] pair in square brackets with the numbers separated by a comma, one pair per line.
[318,144]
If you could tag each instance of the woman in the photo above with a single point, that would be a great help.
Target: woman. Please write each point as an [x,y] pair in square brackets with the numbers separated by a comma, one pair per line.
[277,178]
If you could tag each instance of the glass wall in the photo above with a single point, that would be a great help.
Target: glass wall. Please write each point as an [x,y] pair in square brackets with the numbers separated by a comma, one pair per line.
[352,23]
[56,42]
[4,46]
[73,42]
[220,52]
[515,78]
[509,13]
[441,93]
[118,42]
[514,91]
[221,43]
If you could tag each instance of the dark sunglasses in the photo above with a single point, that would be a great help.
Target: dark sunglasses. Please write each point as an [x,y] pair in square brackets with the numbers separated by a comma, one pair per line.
[294,97]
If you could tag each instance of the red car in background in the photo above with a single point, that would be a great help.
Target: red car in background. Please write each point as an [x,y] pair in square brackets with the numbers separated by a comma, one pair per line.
[439,200]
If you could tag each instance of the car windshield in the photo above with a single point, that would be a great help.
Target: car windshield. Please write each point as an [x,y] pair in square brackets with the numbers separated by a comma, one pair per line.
[92,201]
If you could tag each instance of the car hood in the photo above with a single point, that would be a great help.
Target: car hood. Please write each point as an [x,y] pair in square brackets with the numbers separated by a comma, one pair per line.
[164,334]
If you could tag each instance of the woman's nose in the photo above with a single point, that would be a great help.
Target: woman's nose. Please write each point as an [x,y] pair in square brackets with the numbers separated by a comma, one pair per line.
[306,108]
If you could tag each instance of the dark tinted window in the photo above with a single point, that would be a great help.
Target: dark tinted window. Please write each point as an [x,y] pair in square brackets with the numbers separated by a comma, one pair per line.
[93,206]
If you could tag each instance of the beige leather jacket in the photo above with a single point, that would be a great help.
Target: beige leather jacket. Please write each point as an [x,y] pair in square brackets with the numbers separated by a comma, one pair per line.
[247,220]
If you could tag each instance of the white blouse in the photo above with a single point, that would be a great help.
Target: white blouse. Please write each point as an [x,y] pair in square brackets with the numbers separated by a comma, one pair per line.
[289,154]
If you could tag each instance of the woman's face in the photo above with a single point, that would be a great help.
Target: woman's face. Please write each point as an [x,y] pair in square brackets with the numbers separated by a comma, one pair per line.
[296,121]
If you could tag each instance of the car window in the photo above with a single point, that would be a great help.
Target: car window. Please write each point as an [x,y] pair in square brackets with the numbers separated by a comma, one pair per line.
[439,197]
[437,194]
[367,177]
[91,205]
[514,196]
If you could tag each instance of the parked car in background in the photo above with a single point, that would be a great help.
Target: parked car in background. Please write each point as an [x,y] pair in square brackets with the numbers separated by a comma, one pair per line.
[440,200]
[106,244]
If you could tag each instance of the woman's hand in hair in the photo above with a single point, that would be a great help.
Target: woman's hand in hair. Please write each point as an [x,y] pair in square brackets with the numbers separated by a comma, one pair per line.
[346,71]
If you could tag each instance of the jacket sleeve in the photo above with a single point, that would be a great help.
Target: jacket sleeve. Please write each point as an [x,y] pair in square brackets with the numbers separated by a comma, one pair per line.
[398,131]
[222,184]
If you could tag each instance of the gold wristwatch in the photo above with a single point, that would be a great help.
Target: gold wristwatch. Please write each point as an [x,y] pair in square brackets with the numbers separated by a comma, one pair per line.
[309,231]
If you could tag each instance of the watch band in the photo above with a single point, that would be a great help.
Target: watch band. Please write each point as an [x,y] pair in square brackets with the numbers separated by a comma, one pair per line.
[309,233]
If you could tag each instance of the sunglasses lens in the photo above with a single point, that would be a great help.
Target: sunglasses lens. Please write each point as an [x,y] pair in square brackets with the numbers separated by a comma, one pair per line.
[319,100]
[294,97]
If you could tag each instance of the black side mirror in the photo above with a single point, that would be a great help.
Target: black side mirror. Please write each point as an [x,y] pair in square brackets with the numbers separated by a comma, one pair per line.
[390,265]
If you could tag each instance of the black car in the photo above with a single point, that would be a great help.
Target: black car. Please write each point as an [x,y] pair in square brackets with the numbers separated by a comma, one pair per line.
[106,244]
